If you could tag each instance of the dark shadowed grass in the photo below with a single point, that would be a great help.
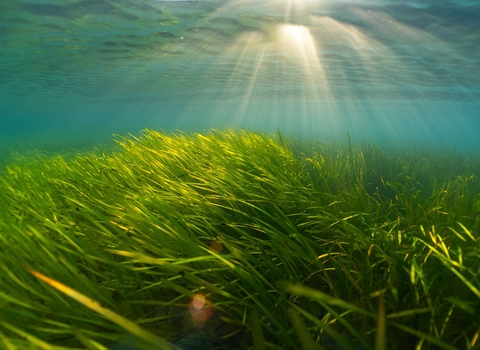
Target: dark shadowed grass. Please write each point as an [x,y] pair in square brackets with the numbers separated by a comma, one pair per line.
[240,240]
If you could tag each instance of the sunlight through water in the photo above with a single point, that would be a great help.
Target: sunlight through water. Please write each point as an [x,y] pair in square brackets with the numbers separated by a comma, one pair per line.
[396,73]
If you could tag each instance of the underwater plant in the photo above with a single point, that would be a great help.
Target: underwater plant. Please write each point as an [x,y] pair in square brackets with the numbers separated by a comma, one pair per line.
[238,240]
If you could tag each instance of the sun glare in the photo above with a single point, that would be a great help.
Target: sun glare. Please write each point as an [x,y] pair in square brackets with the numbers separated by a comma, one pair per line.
[295,33]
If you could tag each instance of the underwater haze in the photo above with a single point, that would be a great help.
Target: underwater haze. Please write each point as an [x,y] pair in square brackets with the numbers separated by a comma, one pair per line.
[392,73]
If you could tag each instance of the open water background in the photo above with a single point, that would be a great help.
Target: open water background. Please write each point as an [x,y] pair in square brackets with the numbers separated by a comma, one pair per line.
[394,73]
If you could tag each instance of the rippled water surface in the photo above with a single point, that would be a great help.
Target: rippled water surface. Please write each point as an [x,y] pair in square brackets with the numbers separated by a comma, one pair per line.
[389,72]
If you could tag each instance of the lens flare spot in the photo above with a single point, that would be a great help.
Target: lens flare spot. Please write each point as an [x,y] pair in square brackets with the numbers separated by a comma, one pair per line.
[216,246]
[200,308]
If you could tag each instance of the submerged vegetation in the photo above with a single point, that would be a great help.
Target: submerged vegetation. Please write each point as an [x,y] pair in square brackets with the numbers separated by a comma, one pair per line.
[240,240]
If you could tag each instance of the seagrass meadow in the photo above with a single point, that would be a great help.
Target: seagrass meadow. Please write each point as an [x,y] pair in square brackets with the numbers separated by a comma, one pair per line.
[240,240]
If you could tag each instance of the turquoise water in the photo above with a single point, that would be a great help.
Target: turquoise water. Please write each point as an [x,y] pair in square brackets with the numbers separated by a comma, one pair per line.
[395,73]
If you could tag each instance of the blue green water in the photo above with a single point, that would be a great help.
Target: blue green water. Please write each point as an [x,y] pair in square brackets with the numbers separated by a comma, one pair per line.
[395,73]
